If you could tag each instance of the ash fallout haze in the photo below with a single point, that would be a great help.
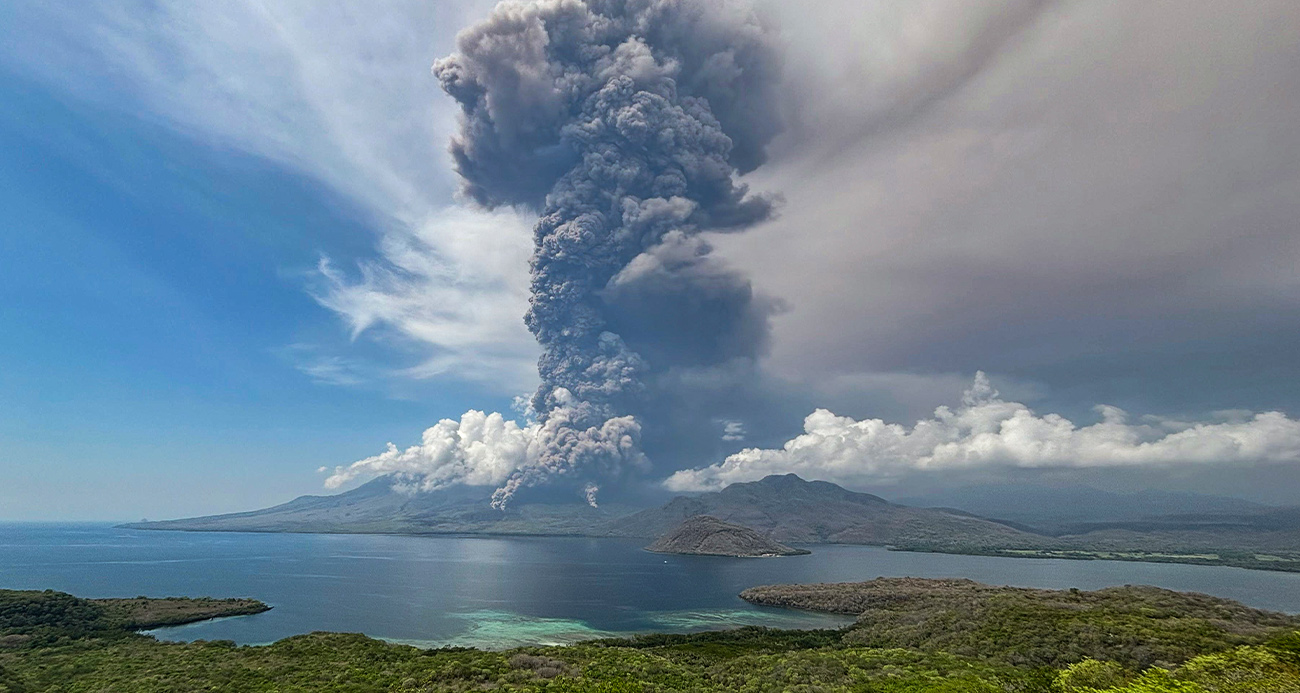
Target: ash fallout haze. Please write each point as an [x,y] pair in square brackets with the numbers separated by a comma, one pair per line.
[608,251]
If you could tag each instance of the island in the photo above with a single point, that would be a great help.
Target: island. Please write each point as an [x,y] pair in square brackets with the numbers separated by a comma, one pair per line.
[703,535]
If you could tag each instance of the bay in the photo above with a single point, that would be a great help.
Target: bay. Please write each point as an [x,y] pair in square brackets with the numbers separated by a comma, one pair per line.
[505,591]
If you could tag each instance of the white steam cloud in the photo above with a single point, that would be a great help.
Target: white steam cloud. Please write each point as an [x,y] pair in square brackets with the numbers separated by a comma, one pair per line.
[986,431]
[484,449]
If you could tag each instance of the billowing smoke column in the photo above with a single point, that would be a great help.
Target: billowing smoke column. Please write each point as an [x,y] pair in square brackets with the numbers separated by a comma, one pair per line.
[624,124]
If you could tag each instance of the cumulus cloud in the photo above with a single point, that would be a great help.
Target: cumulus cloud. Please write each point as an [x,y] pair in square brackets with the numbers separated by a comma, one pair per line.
[482,449]
[987,431]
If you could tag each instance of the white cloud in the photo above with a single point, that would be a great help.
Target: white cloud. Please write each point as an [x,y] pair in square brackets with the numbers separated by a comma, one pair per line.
[336,88]
[330,370]
[987,431]
[457,286]
[484,449]
[480,449]
[343,93]
[733,430]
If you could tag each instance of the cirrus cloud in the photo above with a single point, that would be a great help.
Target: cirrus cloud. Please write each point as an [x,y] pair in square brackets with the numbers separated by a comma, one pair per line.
[455,287]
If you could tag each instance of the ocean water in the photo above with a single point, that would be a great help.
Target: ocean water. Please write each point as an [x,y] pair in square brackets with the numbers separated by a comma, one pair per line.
[500,592]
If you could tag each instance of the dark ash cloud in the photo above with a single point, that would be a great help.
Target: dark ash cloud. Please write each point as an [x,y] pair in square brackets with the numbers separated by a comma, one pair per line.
[624,124]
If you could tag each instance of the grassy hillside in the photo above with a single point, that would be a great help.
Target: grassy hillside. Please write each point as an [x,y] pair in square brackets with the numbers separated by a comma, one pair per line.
[92,654]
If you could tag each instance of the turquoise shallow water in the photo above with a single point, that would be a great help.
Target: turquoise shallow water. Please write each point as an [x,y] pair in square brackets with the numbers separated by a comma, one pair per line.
[506,591]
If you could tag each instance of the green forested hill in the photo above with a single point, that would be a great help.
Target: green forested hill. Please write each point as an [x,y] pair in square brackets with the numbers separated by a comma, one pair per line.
[1138,626]
[31,618]
[1206,647]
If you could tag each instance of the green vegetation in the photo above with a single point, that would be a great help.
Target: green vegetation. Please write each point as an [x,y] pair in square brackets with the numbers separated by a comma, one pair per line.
[1240,670]
[32,619]
[142,613]
[1135,626]
[85,646]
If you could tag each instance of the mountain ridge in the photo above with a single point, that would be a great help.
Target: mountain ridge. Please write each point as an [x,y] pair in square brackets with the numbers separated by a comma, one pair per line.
[785,508]
[376,507]
[788,509]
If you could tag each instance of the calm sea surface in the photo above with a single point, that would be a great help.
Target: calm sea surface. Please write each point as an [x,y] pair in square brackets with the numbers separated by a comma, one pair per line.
[499,591]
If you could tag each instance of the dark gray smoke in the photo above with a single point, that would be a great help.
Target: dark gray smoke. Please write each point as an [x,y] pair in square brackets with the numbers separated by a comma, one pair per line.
[624,124]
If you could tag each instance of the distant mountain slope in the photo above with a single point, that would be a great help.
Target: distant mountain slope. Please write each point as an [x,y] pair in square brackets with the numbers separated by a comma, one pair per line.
[1269,529]
[789,509]
[784,508]
[1057,509]
[709,536]
[376,508]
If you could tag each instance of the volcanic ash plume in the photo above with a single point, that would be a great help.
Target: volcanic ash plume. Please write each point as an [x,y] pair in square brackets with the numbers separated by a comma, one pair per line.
[623,124]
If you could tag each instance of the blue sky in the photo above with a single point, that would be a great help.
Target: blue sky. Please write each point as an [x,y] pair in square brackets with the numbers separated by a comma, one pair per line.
[155,289]
[163,351]
[232,250]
